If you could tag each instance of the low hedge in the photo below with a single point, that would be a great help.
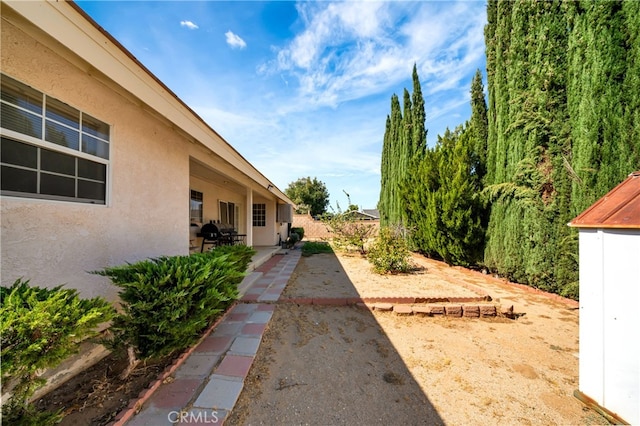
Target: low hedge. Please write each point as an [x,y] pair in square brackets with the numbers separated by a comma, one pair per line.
[39,328]
[168,301]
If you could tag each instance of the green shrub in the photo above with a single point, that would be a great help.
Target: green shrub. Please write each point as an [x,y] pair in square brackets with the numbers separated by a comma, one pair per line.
[389,252]
[298,230]
[313,247]
[167,302]
[293,238]
[40,328]
[239,256]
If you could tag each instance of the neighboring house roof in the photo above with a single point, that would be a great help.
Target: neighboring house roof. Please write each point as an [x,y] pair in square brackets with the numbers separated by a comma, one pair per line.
[362,215]
[620,208]
[67,23]
[372,212]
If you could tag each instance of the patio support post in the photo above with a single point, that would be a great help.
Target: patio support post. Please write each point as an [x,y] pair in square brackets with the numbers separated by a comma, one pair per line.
[249,216]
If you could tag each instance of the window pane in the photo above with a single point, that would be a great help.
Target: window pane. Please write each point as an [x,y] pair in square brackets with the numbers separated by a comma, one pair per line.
[231,214]
[56,162]
[92,170]
[95,147]
[223,212]
[19,180]
[21,95]
[63,113]
[195,207]
[61,135]
[91,190]
[95,127]
[57,185]
[259,214]
[21,121]
[20,154]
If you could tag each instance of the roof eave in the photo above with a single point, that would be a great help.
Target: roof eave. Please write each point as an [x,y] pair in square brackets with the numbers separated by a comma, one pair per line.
[60,20]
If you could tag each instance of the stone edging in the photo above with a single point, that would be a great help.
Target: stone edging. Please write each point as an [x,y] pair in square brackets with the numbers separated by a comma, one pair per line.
[341,301]
[435,310]
[424,306]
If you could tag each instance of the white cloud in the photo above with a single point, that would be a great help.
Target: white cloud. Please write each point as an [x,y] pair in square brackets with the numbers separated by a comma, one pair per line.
[350,50]
[189,25]
[234,40]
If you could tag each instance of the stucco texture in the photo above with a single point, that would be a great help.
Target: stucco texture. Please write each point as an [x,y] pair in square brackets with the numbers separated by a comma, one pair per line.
[52,242]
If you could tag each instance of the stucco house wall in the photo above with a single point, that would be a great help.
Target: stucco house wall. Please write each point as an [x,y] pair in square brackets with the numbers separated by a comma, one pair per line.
[266,235]
[48,242]
[158,151]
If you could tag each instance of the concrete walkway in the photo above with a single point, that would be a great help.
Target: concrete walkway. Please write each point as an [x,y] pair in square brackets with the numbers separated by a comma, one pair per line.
[204,385]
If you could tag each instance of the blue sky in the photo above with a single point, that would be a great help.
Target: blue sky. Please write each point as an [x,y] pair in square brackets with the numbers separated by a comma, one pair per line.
[304,88]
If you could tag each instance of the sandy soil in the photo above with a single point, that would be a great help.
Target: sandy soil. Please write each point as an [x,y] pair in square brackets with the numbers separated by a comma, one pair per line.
[347,365]
[349,275]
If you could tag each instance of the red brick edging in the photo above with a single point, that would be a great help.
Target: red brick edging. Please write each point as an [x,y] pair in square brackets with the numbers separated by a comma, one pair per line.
[348,301]
[136,403]
[414,305]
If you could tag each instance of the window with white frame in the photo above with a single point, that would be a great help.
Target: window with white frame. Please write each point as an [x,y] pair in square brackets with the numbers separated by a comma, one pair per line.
[195,207]
[49,149]
[260,214]
[227,213]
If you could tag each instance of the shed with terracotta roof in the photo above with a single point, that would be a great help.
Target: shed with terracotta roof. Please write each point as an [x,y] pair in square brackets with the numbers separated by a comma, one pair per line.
[609,238]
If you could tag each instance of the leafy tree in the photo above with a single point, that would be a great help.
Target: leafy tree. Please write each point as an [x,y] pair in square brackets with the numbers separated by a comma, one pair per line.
[309,195]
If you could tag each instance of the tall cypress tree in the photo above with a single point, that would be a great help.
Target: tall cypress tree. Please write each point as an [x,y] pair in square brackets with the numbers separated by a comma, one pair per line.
[479,126]
[391,174]
[395,171]
[418,148]
[385,186]
[419,139]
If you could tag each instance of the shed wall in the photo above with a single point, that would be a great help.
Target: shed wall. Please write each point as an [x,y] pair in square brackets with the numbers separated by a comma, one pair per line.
[609,318]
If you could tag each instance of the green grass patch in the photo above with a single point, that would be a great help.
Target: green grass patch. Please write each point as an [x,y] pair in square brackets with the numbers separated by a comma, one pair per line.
[315,247]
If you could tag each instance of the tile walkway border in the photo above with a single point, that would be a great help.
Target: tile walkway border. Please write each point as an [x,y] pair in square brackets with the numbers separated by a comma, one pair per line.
[204,383]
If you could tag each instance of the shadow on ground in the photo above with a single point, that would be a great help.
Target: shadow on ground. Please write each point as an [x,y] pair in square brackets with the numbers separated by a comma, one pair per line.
[329,365]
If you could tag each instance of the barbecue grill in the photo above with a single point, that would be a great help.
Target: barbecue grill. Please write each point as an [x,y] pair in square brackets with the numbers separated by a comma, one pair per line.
[218,234]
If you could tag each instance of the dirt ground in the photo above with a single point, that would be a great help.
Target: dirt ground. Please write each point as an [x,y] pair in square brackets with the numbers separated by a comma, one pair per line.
[348,365]
[98,394]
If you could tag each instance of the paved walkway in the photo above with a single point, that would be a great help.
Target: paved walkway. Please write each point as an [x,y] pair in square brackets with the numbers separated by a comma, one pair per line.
[205,386]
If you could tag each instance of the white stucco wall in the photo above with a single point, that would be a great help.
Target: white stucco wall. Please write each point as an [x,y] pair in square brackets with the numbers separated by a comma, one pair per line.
[609,318]
[54,243]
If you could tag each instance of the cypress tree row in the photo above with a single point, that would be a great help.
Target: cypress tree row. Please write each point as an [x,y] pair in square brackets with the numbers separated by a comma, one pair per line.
[404,144]
[562,127]
[446,211]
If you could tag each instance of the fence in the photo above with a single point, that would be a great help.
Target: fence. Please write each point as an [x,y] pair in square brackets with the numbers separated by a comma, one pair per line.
[316,230]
